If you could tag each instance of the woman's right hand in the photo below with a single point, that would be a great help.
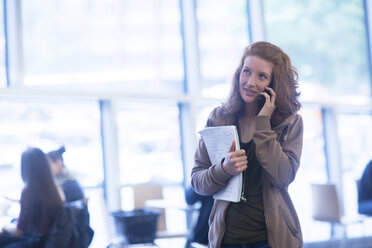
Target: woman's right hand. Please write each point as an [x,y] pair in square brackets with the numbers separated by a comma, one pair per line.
[235,161]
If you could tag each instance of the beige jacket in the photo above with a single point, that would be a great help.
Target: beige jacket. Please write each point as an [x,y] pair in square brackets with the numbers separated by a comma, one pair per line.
[278,150]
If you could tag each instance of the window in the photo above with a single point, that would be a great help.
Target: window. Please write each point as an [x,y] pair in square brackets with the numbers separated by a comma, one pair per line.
[355,136]
[103,45]
[332,65]
[312,170]
[202,112]
[149,142]
[327,44]
[223,35]
[47,124]
[2,48]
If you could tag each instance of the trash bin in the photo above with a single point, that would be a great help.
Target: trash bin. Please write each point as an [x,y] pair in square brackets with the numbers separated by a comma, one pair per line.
[137,226]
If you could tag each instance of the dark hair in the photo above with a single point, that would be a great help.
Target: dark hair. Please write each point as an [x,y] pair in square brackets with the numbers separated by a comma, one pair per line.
[284,82]
[40,199]
[56,154]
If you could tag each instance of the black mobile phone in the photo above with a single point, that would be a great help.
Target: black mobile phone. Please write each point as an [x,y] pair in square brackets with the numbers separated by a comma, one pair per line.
[261,99]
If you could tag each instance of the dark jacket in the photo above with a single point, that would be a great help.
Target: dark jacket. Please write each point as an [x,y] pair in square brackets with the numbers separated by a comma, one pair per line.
[365,187]
[200,231]
[70,229]
[70,186]
[365,191]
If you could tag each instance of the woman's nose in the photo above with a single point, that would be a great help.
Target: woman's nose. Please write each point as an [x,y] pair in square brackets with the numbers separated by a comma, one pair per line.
[251,81]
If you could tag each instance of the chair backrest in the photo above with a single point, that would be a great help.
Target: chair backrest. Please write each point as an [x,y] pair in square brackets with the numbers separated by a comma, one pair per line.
[149,191]
[144,192]
[325,203]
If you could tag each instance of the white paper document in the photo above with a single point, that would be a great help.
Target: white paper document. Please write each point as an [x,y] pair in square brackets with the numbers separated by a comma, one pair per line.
[218,141]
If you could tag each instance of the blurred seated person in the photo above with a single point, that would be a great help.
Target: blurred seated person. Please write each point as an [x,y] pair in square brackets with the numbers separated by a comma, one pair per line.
[39,204]
[365,191]
[64,178]
[71,188]
[201,229]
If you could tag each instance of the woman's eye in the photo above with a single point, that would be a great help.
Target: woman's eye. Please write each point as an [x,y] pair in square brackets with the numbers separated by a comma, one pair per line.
[263,76]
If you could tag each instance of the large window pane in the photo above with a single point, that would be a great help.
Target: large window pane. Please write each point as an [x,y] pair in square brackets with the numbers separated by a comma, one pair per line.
[149,142]
[327,43]
[114,45]
[2,47]
[355,136]
[203,110]
[223,34]
[47,124]
[312,170]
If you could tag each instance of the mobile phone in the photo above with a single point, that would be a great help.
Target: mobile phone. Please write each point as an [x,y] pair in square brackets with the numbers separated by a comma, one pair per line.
[261,99]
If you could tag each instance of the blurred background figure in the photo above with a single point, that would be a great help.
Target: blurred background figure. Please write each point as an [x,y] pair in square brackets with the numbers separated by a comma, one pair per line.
[365,191]
[201,228]
[40,202]
[70,186]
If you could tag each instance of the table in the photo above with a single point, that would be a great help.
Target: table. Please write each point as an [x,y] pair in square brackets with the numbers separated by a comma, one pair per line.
[192,212]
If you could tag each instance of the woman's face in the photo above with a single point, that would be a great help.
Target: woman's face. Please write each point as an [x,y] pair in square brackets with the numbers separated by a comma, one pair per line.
[254,77]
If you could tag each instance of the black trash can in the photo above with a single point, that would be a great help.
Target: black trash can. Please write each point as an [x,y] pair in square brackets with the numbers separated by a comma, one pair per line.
[137,226]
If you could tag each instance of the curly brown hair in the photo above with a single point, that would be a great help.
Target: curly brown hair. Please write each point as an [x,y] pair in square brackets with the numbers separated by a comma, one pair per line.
[284,82]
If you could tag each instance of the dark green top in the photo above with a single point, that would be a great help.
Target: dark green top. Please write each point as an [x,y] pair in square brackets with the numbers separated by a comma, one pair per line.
[245,221]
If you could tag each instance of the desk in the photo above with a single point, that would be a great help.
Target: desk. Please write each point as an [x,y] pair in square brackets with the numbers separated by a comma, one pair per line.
[161,203]
[191,211]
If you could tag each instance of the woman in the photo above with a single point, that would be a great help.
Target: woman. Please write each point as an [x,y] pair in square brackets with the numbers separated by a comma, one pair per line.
[271,141]
[70,186]
[40,200]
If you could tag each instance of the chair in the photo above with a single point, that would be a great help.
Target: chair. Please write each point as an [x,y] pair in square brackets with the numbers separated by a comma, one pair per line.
[150,191]
[142,193]
[154,191]
[326,206]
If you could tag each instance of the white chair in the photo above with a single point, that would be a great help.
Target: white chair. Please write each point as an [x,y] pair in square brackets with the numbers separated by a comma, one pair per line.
[326,206]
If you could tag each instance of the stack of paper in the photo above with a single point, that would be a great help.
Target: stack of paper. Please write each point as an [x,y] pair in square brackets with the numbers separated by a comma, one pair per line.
[218,141]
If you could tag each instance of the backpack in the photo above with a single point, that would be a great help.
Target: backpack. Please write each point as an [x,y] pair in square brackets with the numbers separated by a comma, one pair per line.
[71,228]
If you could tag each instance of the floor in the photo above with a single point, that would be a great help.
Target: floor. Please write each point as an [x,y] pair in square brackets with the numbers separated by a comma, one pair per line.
[316,234]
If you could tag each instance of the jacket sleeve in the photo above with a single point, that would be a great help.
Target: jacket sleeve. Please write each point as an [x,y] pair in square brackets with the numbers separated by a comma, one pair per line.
[279,158]
[207,179]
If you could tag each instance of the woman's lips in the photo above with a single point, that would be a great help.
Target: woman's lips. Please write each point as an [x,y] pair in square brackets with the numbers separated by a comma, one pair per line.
[250,92]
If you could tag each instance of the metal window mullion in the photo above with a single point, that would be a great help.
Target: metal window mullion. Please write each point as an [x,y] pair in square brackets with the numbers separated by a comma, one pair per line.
[332,151]
[256,20]
[190,47]
[368,23]
[14,43]
[110,153]
[188,140]
[192,87]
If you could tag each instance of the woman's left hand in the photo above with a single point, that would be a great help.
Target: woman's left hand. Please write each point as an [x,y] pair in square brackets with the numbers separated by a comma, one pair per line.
[269,106]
